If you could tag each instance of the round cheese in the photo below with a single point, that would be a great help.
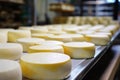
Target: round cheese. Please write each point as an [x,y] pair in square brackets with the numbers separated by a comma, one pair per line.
[16,34]
[38,30]
[10,70]
[3,37]
[41,35]
[45,66]
[97,39]
[27,42]
[52,42]
[11,51]
[63,38]
[79,49]
[4,34]
[46,48]
[76,37]
[25,28]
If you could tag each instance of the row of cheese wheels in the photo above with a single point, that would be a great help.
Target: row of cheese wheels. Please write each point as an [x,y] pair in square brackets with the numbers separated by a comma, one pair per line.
[41,65]
[47,61]
[99,35]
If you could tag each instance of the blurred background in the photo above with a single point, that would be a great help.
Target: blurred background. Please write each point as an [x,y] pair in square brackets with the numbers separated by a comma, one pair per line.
[14,13]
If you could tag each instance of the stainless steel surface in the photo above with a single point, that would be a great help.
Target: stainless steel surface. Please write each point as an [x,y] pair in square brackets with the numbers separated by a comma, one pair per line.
[113,66]
[79,65]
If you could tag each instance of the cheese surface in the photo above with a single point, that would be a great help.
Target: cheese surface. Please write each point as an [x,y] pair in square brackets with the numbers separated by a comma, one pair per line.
[10,70]
[10,51]
[79,49]
[45,66]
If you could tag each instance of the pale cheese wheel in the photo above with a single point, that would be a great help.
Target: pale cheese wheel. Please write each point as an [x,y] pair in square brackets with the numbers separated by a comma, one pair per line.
[97,39]
[4,34]
[16,34]
[41,35]
[57,32]
[46,66]
[10,70]
[63,38]
[12,51]
[46,48]
[38,30]
[52,42]
[79,49]
[27,42]
[3,37]
[25,28]
[76,37]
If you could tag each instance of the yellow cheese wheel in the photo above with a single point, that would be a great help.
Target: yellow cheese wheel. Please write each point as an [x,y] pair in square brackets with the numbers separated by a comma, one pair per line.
[98,39]
[11,51]
[79,49]
[45,66]
[16,34]
[10,70]
[27,42]
[46,48]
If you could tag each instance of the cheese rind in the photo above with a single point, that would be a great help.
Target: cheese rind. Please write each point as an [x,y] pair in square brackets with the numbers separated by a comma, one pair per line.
[46,48]
[13,35]
[10,70]
[79,49]
[10,51]
[45,66]
[27,42]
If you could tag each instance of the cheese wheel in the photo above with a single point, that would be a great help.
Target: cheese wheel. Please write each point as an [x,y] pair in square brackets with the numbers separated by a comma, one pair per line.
[52,42]
[63,38]
[27,42]
[45,66]
[97,39]
[25,28]
[76,37]
[41,35]
[79,49]
[3,37]
[71,30]
[10,70]
[16,34]
[57,32]
[38,30]
[46,48]
[10,51]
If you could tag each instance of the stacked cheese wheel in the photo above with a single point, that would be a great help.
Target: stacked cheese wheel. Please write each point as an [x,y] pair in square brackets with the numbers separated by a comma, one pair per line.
[46,66]
[10,70]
